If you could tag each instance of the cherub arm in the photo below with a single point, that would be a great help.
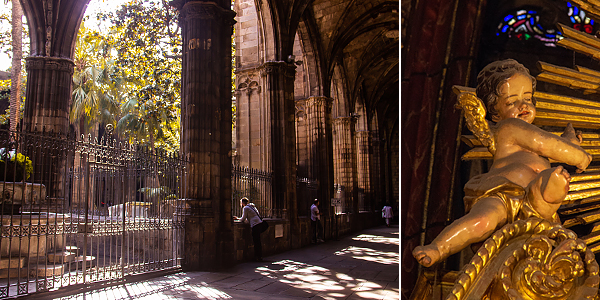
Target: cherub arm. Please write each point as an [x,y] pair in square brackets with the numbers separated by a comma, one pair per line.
[520,133]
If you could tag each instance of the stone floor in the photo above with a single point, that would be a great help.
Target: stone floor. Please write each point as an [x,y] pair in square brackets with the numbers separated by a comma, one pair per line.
[364,265]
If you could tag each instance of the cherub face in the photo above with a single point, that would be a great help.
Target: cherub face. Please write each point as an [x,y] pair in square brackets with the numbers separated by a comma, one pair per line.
[515,100]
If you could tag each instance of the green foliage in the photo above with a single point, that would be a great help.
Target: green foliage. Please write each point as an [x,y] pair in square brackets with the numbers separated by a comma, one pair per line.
[130,76]
[5,95]
[162,192]
[18,167]
[97,83]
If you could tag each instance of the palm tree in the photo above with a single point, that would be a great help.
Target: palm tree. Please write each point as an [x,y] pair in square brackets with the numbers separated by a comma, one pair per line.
[97,88]
[15,72]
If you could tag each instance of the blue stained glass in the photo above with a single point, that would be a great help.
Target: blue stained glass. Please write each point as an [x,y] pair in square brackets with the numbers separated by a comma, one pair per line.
[531,12]
[575,10]
[508,18]
[573,20]
[505,28]
[497,33]
[531,20]
[591,21]
[568,4]
[521,17]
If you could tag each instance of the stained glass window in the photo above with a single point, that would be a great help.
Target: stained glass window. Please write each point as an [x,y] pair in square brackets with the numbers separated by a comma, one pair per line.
[524,25]
[580,21]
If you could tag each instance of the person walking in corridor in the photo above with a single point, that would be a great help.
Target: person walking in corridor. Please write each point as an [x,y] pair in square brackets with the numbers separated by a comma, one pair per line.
[250,213]
[315,220]
[387,213]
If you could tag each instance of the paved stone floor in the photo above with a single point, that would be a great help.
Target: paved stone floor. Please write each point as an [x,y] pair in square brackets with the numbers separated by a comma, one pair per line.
[364,265]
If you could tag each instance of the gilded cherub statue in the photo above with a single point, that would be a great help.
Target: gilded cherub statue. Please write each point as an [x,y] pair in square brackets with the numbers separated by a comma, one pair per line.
[521,182]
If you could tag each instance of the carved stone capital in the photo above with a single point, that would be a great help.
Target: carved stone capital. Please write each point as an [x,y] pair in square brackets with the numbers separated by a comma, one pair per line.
[248,86]
[319,101]
[271,68]
[205,11]
[49,63]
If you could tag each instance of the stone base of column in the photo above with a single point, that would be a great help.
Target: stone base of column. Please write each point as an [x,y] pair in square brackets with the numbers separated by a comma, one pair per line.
[207,247]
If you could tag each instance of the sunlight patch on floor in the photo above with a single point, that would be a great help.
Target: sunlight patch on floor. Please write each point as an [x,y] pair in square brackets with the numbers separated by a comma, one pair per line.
[329,283]
[368,254]
[377,239]
[173,287]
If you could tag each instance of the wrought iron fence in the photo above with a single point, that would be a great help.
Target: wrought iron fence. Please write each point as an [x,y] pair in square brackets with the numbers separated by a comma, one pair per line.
[256,186]
[306,193]
[79,211]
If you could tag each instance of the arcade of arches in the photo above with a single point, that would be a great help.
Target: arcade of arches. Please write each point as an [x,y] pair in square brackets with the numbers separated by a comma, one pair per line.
[317,97]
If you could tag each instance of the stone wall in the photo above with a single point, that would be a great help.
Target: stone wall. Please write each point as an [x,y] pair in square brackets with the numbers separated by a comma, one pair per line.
[346,224]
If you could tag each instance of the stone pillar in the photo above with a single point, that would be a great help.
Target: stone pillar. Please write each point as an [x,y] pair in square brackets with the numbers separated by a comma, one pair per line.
[319,135]
[377,198]
[278,78]
[362,169]
[249,123]
[48,93]
[343,159]
[206,132]
[47,105]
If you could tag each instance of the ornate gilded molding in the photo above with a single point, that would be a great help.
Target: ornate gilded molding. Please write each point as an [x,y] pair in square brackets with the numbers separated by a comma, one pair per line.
[530,259]
[49,63]
[206,11]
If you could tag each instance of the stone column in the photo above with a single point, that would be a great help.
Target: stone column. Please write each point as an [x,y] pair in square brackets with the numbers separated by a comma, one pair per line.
[377,198]
[343,159]
[279,99]
[321,148]
[248,123]
[48,93]
[362,169]
[206,132]
[47,108]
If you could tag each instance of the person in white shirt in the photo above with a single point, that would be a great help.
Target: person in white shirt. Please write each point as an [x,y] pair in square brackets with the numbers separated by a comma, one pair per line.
[315,220]
[250,213]
[387,213]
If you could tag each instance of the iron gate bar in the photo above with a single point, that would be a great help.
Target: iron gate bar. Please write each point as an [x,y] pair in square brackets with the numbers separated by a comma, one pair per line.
[66,213]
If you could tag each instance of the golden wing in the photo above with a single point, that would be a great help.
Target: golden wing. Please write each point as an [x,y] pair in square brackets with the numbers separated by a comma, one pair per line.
[474,112]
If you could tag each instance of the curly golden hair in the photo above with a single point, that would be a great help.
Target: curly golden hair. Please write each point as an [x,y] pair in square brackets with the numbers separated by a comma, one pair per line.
[493,76]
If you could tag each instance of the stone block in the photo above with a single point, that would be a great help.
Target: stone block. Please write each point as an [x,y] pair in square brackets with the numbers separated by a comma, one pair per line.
[13,262]
[61,257]
[46,270]
[22,192]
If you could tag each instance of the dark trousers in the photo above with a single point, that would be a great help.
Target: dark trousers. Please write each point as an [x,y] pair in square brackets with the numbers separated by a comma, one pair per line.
[256,241]
[317,230]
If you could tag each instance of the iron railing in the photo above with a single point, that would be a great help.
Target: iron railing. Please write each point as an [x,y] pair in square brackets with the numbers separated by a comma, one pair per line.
[256,186]
[89,211]
[306,193]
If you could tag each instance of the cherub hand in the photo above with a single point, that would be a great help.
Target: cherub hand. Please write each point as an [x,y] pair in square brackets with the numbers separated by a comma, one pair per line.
[427,255]
[572,136]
